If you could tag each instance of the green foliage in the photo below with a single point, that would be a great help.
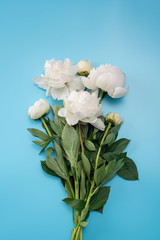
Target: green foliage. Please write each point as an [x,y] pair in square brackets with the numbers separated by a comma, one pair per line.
[83,224]
[84,214]
[71,143]
[100,198]
[77,204]
[54,165]
[47,169]
[82,185]
[45,139]
[119,146]
[110,138]
[129,170]
[86,165]
[89,145]
[70,165]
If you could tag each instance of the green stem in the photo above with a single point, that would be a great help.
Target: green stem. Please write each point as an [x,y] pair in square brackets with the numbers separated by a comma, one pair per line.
[81,139]
[76,197]
[101,96]
[46,127]
[100,147]
[77,229]
[80,234]
[71,188]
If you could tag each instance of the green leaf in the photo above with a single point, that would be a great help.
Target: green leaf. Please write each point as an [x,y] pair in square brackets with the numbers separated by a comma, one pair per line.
[60,159]
[84,214]
[119,146]
[68,190]
[55,111]
[110,137]
[75,203]
[112,168]
[56,108]
[109,156]
[47,170]
[129,170]
[79,168]
[84,130]
[42,143]
[71,143]
[86,165]
[82,186]
[83,224]
[115,129]
[39,134]
[89,145]
[99,199]
[53,164]
[100,210]
[100,174]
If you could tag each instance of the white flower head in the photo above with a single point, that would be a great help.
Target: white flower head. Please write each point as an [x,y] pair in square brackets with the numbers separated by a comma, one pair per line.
[84,67]
[40,108]
[115,118]
[59,78]
[108,78]
[82,106]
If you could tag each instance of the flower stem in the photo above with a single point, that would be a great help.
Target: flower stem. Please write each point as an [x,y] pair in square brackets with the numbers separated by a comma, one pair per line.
[46,127]
[100,147]
[101,96]
[80,135]
[78,228]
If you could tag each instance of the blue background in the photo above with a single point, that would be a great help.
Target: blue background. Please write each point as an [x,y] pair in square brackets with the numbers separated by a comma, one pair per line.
[123,33]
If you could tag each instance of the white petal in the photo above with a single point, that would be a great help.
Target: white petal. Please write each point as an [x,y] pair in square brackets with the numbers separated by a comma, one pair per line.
[89,83]
[71,119]
[56,83]
[48,91]
[118,92]
[62,112]
[60,93]
[41,82]
[99,124]
[76,84]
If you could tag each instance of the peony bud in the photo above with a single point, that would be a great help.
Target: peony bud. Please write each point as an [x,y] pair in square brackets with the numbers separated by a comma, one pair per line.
[84,67]
[39,109]
[115,118]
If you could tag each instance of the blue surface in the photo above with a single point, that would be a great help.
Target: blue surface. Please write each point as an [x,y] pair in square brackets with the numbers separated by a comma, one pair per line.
[123,33]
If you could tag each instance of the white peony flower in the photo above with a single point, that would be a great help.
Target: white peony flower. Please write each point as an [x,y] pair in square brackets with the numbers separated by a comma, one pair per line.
[114,118]
[82,106]
[108,78]
[84,67]
[40,108]
[59,79]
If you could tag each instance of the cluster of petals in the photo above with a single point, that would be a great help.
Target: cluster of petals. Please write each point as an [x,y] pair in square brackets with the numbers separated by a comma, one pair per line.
[59,79]
[108,78]
[84,107]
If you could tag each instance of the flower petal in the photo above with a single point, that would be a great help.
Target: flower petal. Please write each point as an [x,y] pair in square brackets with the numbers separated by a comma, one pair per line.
[76,84]
[62,112]
[60,93]
[118,92]
[41,82]
[89,83]
[99,124]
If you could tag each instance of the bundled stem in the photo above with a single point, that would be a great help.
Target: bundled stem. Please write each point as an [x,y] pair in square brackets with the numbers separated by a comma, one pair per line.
[79,228]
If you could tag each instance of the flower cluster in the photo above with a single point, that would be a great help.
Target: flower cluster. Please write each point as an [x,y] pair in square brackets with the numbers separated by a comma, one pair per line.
[68,82]
[85,153]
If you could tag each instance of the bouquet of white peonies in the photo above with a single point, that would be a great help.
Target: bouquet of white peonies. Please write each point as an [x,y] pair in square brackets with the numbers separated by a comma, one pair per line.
[80,142]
